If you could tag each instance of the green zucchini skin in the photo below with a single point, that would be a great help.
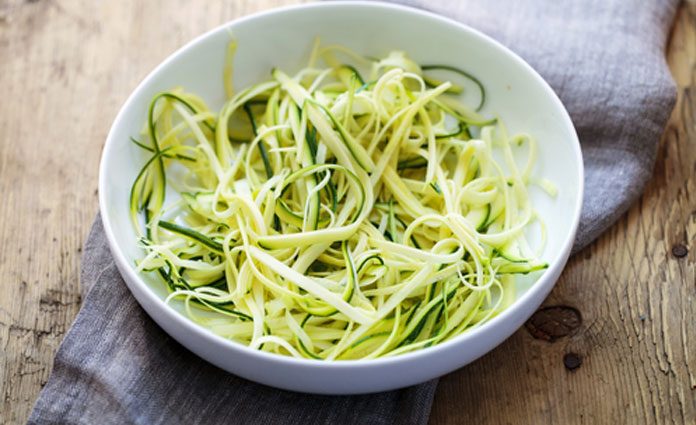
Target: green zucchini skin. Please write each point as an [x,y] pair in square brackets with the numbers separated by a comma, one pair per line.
[370,219]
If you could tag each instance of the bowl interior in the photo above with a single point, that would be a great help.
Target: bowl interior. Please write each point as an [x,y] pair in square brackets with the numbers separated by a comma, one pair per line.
[283,39]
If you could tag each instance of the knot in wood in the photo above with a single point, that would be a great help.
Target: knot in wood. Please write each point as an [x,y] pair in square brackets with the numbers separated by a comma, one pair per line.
[551,323]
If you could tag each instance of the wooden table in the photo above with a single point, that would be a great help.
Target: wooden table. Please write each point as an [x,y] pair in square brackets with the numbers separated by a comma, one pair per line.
[67,66]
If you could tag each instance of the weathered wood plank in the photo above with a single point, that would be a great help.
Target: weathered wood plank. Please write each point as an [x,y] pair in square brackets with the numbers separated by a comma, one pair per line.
[637,298]
[67,66]
[65,69]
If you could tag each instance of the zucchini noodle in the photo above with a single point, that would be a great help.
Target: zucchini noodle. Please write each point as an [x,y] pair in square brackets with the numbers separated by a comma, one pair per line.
[352,210]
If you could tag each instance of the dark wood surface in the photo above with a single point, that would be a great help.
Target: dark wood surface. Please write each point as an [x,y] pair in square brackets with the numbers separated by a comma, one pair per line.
[627,303]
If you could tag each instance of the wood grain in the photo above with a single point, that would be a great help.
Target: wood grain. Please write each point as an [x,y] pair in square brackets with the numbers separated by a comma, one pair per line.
[65,69]
[67,66]
[637,342]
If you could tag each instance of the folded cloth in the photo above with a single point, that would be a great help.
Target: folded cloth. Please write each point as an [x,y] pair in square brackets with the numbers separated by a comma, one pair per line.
[605,59]
[116,366]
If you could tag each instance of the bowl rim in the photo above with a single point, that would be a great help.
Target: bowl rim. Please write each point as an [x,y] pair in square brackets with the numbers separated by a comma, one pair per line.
[543,283]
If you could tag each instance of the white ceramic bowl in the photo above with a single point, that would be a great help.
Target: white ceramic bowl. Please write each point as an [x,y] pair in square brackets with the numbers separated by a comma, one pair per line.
[282,38]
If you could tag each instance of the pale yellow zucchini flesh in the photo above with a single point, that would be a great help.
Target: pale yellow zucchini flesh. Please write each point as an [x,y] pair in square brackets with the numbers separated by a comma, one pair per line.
[353,209]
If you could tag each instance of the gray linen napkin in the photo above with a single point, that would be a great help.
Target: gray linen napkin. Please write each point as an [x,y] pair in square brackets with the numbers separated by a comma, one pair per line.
[605,59]
[116,366]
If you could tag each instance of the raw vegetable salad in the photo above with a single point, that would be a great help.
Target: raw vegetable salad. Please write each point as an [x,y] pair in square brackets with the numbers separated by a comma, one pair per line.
[351,210]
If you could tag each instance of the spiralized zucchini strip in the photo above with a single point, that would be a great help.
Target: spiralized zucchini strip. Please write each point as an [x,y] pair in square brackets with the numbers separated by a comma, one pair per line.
[351,210]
